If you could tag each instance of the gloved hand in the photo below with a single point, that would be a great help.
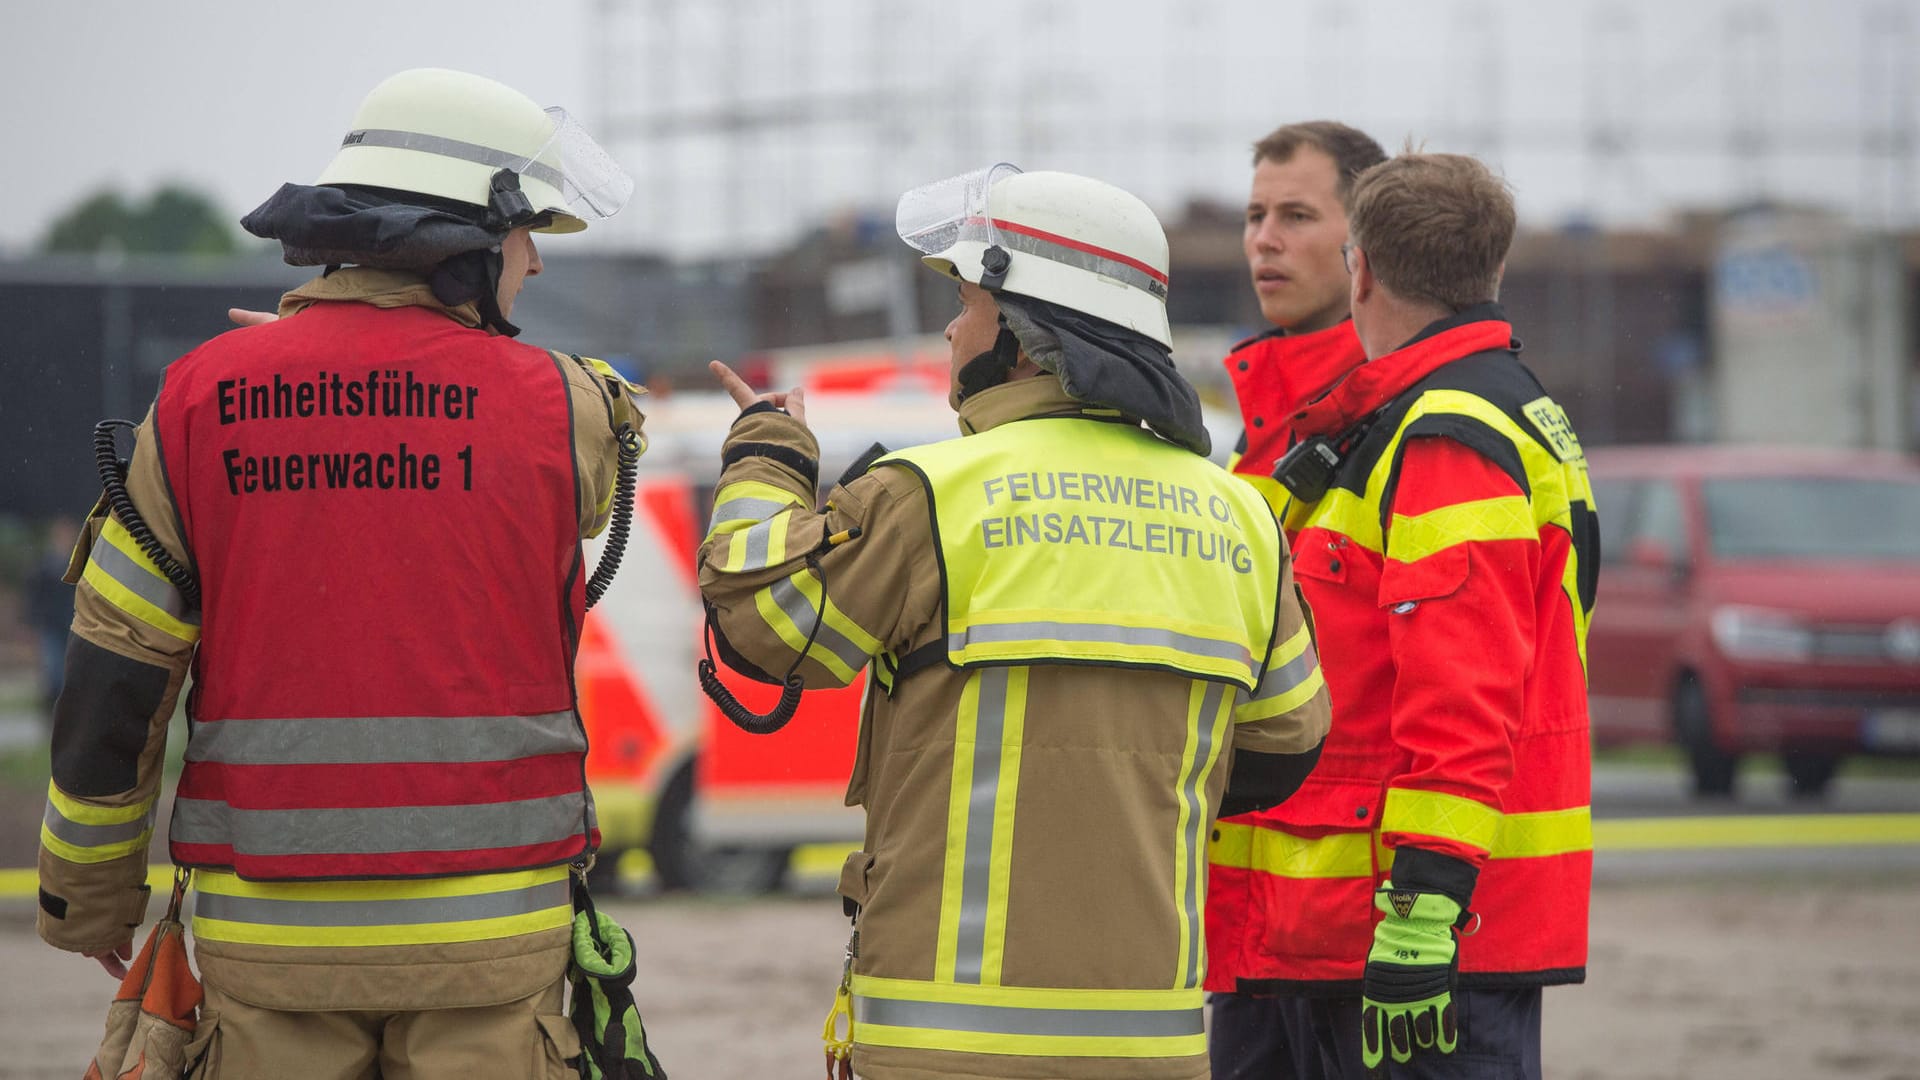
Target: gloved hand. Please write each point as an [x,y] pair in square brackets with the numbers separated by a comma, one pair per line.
[1406,998]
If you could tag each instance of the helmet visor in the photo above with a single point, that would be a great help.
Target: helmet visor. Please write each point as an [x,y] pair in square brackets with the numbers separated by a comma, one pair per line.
[930,218]
[592,184]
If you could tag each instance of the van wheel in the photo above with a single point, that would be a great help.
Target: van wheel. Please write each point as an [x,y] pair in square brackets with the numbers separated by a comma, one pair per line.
[1713,768]
[1809,773]
[684,863]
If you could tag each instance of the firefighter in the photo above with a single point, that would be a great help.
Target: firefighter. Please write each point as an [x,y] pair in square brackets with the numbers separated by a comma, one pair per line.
[1449,557]
[1296,223]
[1078,630]
[360,526]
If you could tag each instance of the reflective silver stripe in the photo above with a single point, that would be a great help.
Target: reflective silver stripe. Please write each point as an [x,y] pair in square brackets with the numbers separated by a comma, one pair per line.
[142,582]
[454,148]
[1287,676]
[409,912]
[378,830]
[89,836]
[757,540]
[372,740]
[992,633]
[977,865]
[744,510]
[1197,824]
[801,610]
[1009,1020]
[1067,256]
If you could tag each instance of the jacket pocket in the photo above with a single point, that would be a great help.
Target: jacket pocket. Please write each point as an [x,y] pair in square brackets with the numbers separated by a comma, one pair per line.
[1321,561]
[558,1054]
[1438,575]
[1326,805]
[853,877]
[202,1055]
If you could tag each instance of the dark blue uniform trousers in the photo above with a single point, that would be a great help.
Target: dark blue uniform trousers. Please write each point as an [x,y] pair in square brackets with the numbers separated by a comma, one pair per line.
[1309,1038]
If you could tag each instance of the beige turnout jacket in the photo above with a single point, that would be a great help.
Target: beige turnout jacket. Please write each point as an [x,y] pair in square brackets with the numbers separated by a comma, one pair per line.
[93,861]
[1077,785]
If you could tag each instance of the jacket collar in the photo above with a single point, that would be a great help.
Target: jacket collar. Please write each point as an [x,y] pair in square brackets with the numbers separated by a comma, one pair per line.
[1377,382]
[381,288]
[1276,373]
[1040,395]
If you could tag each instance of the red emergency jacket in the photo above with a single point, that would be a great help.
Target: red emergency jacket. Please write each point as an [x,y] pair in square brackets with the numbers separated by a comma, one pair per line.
[380,506]
[1450,573]
[1273,376]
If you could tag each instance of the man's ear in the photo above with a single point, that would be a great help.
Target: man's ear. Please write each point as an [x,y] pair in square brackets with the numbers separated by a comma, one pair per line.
[1364,283]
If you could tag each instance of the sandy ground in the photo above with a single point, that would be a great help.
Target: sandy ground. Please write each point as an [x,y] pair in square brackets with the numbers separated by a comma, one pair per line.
[1746,979]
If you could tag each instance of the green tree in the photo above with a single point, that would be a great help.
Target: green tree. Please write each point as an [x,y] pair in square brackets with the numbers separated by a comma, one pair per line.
[175,220]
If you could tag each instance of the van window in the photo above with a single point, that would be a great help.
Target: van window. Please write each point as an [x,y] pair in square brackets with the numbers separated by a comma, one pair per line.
[1808,517]
[1613,500]
[1662,519]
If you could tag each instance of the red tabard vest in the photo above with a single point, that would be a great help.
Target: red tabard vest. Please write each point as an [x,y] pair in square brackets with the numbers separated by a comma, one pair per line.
[381,509]
[1290,889]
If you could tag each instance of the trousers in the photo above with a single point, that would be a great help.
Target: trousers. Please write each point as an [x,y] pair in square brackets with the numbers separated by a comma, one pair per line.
[1291,1037]
[529,1038]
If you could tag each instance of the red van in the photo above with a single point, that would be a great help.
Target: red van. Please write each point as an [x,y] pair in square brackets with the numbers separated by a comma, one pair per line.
[1757,599]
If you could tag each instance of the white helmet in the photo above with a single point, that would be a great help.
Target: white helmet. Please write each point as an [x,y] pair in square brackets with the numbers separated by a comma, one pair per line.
[449,134]
[1069,240]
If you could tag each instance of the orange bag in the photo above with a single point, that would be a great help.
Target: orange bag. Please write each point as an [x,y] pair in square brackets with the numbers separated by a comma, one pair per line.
[153,1017]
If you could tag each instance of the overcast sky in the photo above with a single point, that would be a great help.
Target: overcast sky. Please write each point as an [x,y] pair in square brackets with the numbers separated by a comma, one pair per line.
[1621,112]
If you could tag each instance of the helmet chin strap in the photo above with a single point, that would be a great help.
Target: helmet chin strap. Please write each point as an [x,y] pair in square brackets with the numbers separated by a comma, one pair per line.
[992,367]
[473,276]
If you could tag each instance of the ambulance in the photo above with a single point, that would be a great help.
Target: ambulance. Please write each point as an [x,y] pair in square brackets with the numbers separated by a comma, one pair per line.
[711,806]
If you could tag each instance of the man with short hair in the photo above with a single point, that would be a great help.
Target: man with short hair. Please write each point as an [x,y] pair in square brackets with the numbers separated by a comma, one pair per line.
[1449,560]
[1265,918]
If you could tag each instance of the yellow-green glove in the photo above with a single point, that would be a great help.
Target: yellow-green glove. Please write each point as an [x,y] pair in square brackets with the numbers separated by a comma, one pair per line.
[1406,996]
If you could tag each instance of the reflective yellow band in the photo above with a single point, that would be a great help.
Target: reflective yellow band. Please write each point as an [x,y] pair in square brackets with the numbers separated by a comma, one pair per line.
[1450,817]
[1036,634]
[758,546]
[1509,517]
[744,503]
[86,813]
[83,833]
[126,577]
[1270,851]
[1264,708]
[978,866]
[1291,679]
[1028,1021]
[1343,512]
[790,607]
[476,907]
[1342,855]
[1208,704]
[1548,832]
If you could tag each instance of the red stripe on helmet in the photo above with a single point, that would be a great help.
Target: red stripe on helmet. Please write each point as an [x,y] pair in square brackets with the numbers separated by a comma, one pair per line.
[1067,241]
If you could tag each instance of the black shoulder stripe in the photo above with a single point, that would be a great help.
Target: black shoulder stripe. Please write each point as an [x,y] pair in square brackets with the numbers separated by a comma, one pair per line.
[1475,435]
[808,468]
[1586,549]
